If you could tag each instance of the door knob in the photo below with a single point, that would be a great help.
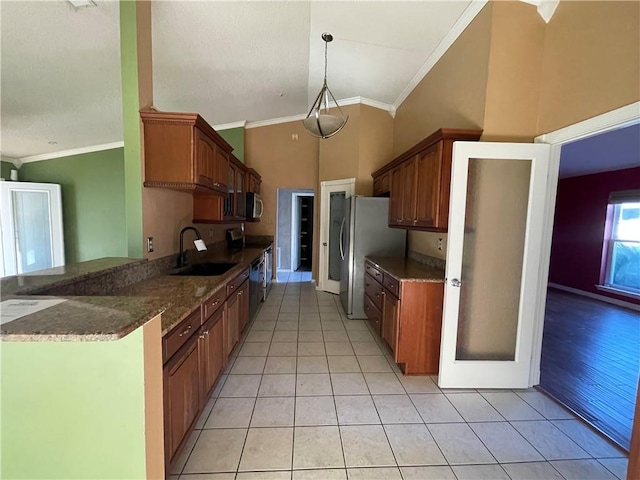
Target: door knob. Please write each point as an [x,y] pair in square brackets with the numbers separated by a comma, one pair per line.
[455,282]
[324,244]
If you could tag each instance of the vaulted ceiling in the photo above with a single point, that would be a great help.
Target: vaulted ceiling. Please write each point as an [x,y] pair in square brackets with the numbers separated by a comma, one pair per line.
[230,61]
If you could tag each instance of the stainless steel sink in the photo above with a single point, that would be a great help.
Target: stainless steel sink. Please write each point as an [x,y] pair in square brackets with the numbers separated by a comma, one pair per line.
[206,269]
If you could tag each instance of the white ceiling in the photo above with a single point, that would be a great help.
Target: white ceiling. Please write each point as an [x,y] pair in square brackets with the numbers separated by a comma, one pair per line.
[230,61]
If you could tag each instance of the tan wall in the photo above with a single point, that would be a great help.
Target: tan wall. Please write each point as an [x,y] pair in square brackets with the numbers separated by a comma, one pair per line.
[376,146]
[591,62]
[514,74]
[453,93]
[338,155]
[282,163]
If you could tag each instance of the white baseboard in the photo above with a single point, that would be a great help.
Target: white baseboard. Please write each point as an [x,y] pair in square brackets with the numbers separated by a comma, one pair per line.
[595,296]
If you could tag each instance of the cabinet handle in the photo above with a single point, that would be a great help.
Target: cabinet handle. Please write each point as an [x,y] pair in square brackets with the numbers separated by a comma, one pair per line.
[232,287]
[215,303]
[377,295]
[390,285]
[186,331]
[415,220]
[201,336]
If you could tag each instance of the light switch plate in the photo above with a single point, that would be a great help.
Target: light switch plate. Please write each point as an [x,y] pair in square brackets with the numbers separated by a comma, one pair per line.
[149,244]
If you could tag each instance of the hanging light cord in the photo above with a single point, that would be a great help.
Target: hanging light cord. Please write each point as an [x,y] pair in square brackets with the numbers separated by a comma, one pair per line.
[325,61]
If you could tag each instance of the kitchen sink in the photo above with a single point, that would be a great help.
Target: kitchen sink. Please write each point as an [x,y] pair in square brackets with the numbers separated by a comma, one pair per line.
[206,269]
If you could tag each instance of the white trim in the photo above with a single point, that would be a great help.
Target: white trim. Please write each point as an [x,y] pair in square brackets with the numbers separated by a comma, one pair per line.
[617,291]
[342,102]
[229,126]
[275,121]
[619,118]
[73,151]
[461,24]
[595,296]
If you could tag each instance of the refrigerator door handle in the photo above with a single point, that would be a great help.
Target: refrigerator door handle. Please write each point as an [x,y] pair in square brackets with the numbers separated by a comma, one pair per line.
[342,238]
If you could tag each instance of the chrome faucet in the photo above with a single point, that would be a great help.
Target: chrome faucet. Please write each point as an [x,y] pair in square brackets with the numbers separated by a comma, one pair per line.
[182,255]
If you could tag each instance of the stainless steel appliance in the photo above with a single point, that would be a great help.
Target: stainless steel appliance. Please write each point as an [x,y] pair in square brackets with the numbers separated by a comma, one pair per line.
[255,207]
[364,232]
[268,271]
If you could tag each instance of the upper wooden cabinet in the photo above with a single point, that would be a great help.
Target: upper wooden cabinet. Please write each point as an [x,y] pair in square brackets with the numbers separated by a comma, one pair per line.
[182,151]
[418,181]
[253,181]
[228,208]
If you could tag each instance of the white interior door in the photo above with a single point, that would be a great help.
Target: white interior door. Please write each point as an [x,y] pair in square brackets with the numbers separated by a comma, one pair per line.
[332,206]
[496,215]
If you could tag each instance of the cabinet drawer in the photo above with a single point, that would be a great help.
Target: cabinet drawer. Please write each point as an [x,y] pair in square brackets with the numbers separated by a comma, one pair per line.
[391,284]
[373,271]
[177,337]
[234,285]
[213,303]
[373,314]
[374,290]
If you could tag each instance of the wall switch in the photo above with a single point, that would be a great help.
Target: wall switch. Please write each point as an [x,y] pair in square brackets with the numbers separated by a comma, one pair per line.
[294,136]
[149,244]
[439,244]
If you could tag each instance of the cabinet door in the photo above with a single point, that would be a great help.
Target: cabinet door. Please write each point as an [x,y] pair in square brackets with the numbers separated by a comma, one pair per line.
[241,210]
[395,198]
[390,320]
[181,396]
[382,184]
[243,299]
[232,318]
[204,160]
[212,352]
[230,201]
[408,192]
[429,166]
[221,168]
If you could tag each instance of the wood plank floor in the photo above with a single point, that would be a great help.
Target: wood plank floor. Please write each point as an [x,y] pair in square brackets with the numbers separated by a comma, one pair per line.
[591,361]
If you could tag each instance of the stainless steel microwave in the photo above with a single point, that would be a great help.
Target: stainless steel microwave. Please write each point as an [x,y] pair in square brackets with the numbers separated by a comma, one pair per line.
[255,207]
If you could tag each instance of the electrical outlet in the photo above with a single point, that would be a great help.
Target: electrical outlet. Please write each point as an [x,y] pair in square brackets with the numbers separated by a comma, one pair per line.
[211,234]
[149,244]
[439,244]
[294,136]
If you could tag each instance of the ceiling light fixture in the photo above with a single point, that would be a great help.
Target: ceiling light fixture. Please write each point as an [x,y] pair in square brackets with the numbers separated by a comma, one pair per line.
[320,122]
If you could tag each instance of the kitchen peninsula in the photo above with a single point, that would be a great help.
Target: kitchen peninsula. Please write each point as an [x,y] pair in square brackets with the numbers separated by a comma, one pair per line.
[83,379]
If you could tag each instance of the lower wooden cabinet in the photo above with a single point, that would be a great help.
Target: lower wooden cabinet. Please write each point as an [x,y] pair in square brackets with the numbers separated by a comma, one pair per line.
[182,397]
[196,351]
[409,318]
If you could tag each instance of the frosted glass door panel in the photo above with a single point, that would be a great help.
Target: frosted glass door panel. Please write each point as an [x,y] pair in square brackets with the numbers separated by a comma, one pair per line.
[336,218]
[32,225]
[492,255]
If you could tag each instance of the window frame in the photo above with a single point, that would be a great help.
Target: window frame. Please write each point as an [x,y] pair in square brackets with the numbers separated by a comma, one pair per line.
[610,239]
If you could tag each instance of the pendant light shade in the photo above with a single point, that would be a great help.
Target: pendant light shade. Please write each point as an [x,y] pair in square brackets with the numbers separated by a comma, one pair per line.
[320,122]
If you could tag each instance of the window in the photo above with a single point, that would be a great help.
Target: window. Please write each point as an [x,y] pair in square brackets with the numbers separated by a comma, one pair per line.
[622,242]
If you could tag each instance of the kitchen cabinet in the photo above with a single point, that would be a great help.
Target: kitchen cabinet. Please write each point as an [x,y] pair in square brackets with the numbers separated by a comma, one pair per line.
[237,307]
[254,180]
[212,353]
[419,181]
[182,397]
[183,152]
[407,313]
[226,209]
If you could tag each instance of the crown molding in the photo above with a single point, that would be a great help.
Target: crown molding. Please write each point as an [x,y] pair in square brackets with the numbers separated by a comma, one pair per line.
[342,102]
[73,151]
[463,22]
[228,126]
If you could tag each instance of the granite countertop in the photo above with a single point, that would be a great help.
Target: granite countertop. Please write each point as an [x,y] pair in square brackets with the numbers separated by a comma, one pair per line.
[406,269]
[110,317]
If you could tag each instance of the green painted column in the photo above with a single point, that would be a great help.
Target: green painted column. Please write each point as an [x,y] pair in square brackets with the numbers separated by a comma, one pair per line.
[131,124]
[235,138]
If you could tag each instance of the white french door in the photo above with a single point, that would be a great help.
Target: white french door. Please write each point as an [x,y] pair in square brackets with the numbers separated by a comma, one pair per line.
[496,218]
[333,199]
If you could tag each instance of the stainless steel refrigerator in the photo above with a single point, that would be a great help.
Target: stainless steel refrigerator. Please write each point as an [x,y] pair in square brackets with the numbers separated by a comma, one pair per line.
[364,232]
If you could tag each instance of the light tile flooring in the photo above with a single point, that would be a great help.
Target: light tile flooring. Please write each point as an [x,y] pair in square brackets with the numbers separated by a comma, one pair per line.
[309,394]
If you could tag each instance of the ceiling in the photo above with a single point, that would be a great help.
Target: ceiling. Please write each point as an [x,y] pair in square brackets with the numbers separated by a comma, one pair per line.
[230,61]
[615,150]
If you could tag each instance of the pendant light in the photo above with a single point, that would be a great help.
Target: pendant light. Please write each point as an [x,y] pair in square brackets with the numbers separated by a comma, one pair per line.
[320,122]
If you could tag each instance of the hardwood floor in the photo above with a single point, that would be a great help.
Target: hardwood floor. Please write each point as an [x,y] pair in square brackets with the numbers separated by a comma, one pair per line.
[591,361]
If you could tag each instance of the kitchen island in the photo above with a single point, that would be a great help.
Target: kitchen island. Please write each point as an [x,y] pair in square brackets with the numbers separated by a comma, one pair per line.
[82,380]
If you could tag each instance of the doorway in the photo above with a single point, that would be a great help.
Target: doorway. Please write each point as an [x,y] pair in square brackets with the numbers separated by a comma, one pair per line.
[591,340]
[294,235]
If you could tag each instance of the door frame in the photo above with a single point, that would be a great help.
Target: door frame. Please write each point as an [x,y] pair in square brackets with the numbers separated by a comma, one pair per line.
[295,224]
[349,186]
[606,122]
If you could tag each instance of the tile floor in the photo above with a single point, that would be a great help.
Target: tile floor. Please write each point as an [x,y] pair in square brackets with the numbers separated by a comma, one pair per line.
[309,394]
